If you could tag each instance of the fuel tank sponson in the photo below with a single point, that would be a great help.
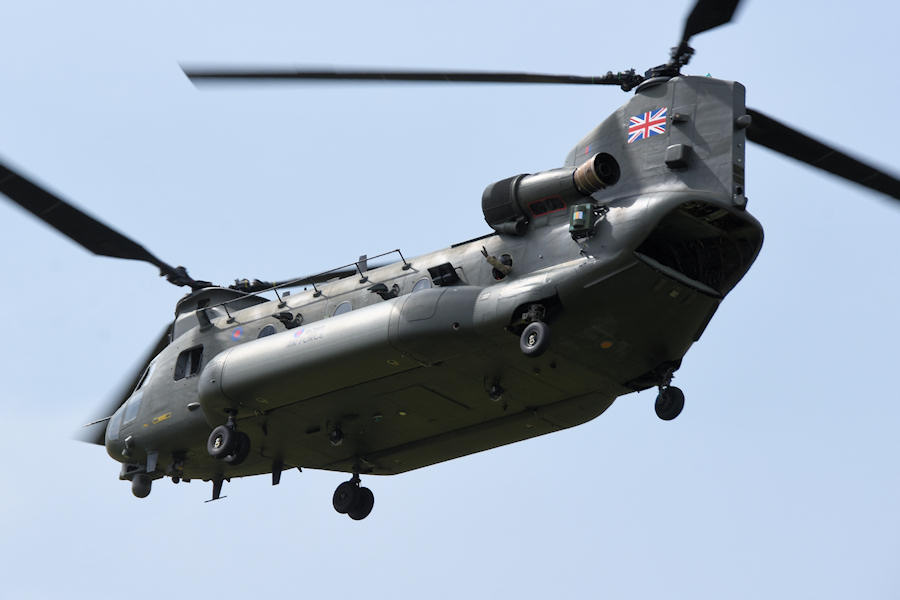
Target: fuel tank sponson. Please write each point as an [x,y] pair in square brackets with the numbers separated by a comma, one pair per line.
[404,333]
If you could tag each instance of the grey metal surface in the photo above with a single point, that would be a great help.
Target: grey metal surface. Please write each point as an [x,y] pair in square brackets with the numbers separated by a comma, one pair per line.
[408,380]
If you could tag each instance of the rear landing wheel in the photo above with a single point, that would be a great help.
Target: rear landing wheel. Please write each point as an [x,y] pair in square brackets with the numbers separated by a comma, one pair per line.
[669,403]
[345,496]
[364,504]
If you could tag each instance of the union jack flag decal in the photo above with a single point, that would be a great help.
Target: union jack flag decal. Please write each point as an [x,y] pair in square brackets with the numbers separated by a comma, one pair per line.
[652,122]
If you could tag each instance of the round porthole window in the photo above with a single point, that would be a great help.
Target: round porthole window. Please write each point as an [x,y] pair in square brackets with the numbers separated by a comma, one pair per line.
[267,330]
[422,284]
[342,308]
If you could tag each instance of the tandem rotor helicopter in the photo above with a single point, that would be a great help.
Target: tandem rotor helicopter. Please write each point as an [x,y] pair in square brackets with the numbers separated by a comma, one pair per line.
[597,278]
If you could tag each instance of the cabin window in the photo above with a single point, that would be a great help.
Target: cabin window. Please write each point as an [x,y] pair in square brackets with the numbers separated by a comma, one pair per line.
[267,330]
[342,308]
[422,284]
[188,362]
[131,409]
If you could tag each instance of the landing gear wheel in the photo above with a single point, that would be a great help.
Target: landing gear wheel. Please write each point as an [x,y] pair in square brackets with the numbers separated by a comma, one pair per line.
[669,403]
[364,504]
[241,450]
[140,485]
[221,442]
[535,339]
[345,496]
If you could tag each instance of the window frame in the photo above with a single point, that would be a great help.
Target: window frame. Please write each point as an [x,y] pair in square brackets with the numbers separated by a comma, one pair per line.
[114,425]
[188,363]
[266,331]
[146,375]
[424,280]
[337,308]
[132,408]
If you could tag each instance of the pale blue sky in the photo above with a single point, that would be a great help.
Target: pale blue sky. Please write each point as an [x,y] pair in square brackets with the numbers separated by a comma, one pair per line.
[780,479]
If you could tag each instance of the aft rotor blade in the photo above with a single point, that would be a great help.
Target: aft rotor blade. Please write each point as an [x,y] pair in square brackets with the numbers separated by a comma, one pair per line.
[766,131]
[95,431]
[82,228]
[706,15]
[202,74]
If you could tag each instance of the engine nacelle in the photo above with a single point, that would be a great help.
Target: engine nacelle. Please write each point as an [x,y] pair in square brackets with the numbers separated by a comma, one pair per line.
[508,204]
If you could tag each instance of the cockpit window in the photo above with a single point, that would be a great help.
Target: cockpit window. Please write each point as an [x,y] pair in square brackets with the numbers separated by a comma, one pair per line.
[146,375]
[112,428]
[131,409]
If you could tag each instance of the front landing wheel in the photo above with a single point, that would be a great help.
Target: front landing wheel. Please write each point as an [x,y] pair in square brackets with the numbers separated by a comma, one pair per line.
[221,442]
[241,450]
[140,485]
[669,403]
[345,497]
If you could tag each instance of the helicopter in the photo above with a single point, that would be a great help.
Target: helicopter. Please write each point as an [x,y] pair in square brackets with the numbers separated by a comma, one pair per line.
[525,383]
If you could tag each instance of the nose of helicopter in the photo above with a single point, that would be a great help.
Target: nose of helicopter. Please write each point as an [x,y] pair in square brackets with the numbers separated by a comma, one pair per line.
[116,447]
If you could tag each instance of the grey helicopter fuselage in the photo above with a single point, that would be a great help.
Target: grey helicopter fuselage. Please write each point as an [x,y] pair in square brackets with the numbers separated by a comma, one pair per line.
[429,367]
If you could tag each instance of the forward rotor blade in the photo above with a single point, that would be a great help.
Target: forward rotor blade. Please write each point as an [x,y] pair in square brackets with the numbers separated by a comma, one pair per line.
[198,74]
[777,136]
[706,15]
[95,431]
[82,228]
